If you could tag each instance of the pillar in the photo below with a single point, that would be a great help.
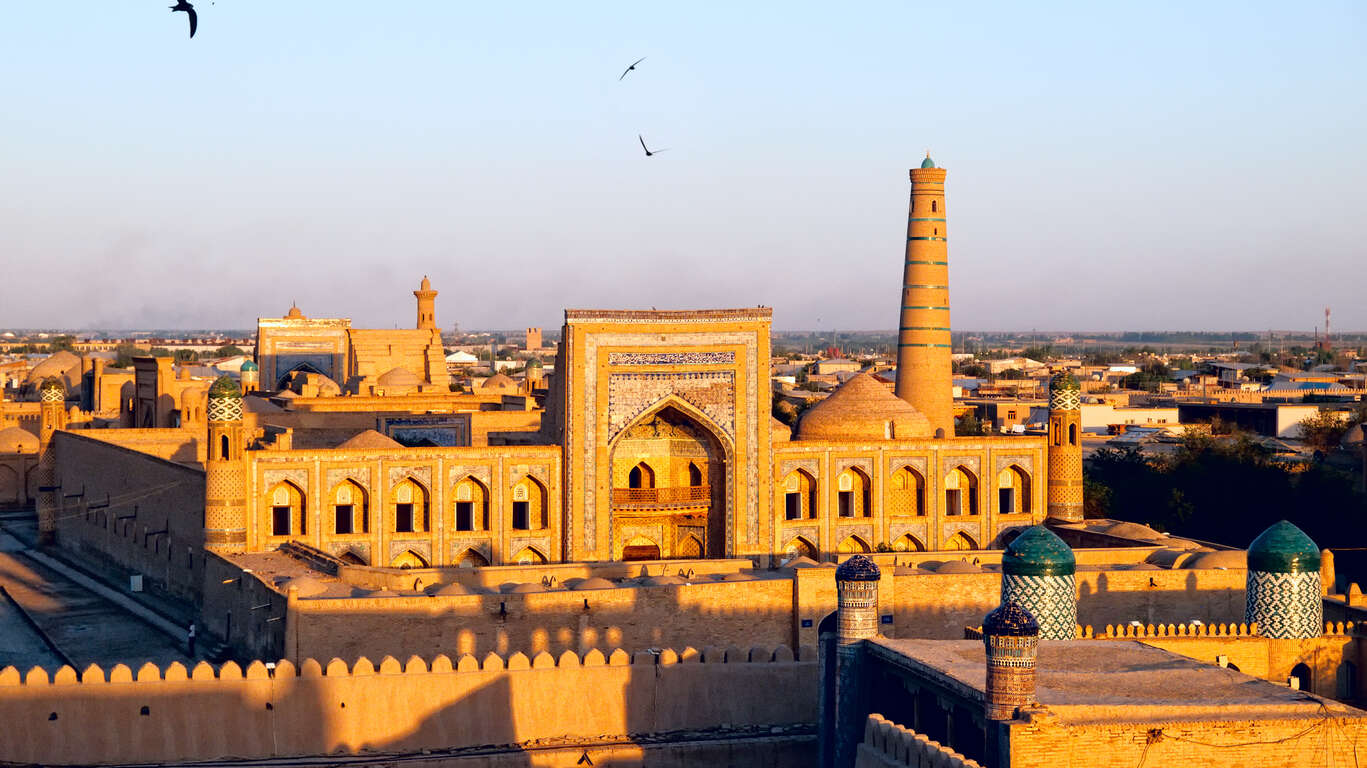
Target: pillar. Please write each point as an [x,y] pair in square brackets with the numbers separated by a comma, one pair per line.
[225,470]
[1065,449]
[856,585]
[924,376]
[1010,641]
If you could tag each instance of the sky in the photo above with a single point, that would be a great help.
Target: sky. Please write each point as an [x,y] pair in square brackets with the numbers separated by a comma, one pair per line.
[1136,166]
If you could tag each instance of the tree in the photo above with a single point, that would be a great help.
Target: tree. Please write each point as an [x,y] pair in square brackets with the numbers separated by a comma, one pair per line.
[1011,373]
[63,342]
[185,356]
[228,350]
[969,425]
[160,352]
[123,355]
[974,370]
[1324,430]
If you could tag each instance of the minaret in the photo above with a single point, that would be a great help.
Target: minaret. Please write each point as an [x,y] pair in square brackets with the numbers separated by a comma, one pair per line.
[923,346]
[856,619]
[225,472]
[1283,592]
[1011,641]
[427,305]
[1039,574]
[1065,449]
[52,417]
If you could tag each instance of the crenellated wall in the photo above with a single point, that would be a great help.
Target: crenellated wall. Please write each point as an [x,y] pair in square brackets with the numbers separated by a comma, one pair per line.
[177,715]
[889,745]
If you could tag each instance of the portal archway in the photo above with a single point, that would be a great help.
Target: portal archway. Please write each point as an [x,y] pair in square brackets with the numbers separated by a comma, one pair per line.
[854,545]
[959,542]
[669,469]
[408,559]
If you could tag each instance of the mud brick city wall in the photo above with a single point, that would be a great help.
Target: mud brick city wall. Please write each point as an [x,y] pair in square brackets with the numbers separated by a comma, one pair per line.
[179,715]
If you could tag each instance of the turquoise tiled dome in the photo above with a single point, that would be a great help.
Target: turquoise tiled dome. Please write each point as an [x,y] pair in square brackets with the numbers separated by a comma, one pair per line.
[1038,551]
[249,366]
[1283,548]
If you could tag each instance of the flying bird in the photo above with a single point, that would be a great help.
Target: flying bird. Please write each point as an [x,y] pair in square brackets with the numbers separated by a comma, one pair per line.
[181,5]
[649,152]
[628,69]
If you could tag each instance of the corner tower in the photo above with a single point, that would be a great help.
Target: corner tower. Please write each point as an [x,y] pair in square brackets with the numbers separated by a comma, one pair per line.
[427,305]
[225,472]
[1065,449]
[923,342]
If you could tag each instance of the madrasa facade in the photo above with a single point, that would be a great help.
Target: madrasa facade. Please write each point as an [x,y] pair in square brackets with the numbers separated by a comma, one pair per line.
[652,439]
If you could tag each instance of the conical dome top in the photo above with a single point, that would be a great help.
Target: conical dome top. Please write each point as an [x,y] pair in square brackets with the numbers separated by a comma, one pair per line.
[1011,620]
[1038,551]
[1283,548]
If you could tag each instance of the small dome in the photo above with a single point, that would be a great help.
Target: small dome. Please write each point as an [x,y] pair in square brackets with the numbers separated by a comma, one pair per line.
[369,440]
[399,377]
[959,566]
[52,384]
[294,312]
[1038,551]
[498,381]
[927,163]
[225,387]
[1064,381]
[863,409]
[858,568]
[454,589]
[16,440]
[249,366]
[1231,559]
[801,561]
[663,580]
[738,576]
[593,582]
[426,284]
[1283,548]
[307,586]
[59,363]
[1132,531]
[523,589]
[1010,620]
[534,363]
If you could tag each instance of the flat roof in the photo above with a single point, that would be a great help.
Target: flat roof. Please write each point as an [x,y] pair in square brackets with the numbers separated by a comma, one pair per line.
[1093,681]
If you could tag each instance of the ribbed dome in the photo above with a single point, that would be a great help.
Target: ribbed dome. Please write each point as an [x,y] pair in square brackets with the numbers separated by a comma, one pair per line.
[1010,620]
[863,409]
[1038,551]
[399,377]
[1283,548]
[858,568]
[225,387]
[16,440]
[498,381]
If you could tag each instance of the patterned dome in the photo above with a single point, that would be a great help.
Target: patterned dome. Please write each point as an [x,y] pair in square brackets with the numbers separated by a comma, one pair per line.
[52,389]
[225,388]
[858,568]
[1011,620]
[1038,551]
[1283,548]
[250,366]
[863,409]
[1064,380]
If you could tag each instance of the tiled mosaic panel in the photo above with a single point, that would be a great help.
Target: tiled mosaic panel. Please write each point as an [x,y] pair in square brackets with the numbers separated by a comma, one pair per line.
[224,409]
[713,393]
[671,358]
[1285,605]
[1052,600]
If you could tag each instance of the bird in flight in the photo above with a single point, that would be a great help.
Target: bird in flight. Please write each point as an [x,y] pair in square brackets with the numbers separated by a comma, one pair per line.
[181,5]
[648,150]
[628,69]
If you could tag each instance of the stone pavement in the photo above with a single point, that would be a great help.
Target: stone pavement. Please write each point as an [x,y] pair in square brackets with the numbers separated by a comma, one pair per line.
[89,622]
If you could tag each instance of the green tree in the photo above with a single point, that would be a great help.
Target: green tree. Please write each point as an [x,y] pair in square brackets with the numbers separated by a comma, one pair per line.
[63,342]
[123,355]
[160,352]
[185,356]
[1011,373]
[969,425]
[1324,430]
[229,350]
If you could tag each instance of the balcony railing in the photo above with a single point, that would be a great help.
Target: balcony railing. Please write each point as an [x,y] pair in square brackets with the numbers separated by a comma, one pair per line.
[689,494]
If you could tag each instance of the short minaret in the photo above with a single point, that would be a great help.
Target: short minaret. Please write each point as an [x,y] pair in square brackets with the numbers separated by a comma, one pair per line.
[427,305]
[1065,449]
[251,377]
[1039,575]
[923,340]
[52,417]
[225,471]
[1011,640]
[1283,590]
[856,619]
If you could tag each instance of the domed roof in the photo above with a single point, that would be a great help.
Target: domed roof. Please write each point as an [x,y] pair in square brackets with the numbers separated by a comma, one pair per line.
[16,440]
[958,566]
[801,561]
[1283,548]
[1232,559]
[56,364]
[52,384]
[594,582]
[225,387]
[453,589]
[399,377]
[1064,380]
[863,409]
[1038,551]
[307,586]
[498,381]
[369,440]
[858,568]
[535,363]
[1011,620]
[526,588]
[249,366]
[294,311]
[927,163]
[1133,531]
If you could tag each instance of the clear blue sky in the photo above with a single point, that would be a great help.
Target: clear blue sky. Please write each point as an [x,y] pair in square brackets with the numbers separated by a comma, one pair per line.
[1162,165]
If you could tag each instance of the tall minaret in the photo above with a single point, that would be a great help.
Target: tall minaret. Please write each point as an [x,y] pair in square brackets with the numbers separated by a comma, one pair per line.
[225,471]
[52,417]
[923,351]
[427,305]
[1065,449]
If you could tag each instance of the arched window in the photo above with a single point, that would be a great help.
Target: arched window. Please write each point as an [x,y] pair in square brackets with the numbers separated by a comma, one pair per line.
[472,505]
[409,559]
[350,509]
[529,505]
[853,545]
[960,542]
[908,493]
[1072,434]
[410,509]
[223,447]
[694,474]
[287,510]
[641,476]
[961,492]
[1303,677]
[852,489]
[799,496]
[933,206]
[471,559]
[907,543]
[798,547]
[1013,491]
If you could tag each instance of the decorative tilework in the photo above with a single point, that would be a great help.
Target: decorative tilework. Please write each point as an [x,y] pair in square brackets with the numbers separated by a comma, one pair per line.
[224,409]
[1052,600]
[1285,605]
[671,358]
[631,394]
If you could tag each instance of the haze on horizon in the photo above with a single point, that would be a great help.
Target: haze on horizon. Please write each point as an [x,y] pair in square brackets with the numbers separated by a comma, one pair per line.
[1161,166]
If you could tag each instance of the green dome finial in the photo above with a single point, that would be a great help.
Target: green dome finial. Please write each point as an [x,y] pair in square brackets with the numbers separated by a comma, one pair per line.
[1038,551]
[1283,548]
[225,387]
[927,163]
[250,366]
[1064,380]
